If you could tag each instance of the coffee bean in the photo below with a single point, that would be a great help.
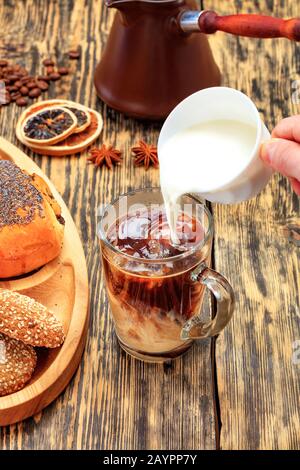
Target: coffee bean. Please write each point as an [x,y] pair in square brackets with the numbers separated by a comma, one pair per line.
[48,62]
[42,85]
[31,85]
[63,71]
[19,84]
[26,79]
[21,102]
[12,88]
[12,77]
[35,93]
[54,76]
[24,90]
[74,55]
[43,78]
[16,95]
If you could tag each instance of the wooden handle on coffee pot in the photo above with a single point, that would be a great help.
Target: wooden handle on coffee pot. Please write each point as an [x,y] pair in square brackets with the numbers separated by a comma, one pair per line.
[256,26]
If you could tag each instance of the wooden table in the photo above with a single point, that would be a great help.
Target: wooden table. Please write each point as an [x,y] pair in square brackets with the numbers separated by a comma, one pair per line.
[240,392]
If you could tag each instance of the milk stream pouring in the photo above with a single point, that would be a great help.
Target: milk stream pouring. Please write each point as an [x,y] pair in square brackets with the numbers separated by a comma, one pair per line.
[202,158]
[210,145]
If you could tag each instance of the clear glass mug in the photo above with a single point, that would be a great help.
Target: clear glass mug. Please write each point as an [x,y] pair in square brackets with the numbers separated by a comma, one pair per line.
[156,303]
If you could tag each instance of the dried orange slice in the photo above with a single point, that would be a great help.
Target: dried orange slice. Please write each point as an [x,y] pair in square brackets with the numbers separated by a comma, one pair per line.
[48,126]
[74,143]
[83,118]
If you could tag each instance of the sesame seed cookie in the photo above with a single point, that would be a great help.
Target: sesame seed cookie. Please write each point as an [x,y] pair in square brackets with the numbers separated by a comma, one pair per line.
[17,363]
[26,320]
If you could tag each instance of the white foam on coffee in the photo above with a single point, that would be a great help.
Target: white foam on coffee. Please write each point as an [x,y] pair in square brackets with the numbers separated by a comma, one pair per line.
[203,158]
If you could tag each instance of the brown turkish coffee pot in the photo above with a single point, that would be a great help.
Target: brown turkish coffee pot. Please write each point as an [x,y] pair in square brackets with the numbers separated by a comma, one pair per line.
[153,59]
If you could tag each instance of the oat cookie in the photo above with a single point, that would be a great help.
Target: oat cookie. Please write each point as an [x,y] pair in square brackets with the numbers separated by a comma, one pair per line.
[26,320]
[17,363]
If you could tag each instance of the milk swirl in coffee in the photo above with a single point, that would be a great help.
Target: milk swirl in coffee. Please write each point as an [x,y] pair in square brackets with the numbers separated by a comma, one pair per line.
[151,299]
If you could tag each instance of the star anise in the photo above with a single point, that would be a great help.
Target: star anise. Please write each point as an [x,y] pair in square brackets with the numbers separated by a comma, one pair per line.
[108,156]
[145,154]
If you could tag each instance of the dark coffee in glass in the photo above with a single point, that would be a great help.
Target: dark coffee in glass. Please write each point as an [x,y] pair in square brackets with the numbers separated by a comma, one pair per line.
[154,284]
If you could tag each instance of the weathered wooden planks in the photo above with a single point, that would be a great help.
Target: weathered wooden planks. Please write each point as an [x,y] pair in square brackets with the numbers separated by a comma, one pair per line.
[113,401]
[259,387]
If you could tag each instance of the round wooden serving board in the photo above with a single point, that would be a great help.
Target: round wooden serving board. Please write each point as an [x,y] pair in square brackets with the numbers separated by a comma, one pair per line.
[62,286]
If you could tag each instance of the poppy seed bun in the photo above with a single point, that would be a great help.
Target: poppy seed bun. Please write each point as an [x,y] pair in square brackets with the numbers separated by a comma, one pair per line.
[31,226]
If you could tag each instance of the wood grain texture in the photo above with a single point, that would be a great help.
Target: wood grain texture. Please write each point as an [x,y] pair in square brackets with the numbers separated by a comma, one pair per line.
[114,402]
[259,386]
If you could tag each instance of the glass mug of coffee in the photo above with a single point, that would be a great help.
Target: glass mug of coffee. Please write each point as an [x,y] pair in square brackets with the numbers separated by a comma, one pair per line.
[156,286]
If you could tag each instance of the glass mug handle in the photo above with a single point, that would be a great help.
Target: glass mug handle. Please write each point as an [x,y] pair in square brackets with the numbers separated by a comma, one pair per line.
[224,295]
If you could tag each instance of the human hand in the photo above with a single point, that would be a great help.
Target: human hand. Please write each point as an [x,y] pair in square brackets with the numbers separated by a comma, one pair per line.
[282,153]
